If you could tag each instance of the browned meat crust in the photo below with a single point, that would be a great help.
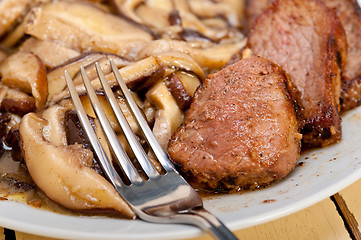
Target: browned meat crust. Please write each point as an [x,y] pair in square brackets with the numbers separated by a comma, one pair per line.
[349,13]
[306,38]
[351,94]
[241,130]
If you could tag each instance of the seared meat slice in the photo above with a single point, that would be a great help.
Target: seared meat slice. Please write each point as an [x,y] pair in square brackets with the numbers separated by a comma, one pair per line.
[306,38]
[349,13]
[253,8]
[241,130]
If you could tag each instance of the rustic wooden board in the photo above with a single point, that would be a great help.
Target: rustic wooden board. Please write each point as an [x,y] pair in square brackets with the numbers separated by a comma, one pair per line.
[318,222]
[2,236]
[352,197]
[25,236]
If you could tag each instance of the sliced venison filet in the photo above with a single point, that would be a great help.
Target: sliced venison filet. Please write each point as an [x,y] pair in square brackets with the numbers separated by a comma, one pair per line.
[307,40]
[241,130]
[349,13]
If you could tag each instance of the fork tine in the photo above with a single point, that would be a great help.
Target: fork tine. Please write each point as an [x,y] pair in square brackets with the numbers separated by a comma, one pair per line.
[137,149]
[164,199]
[120,154]
[149,136]
[108,169]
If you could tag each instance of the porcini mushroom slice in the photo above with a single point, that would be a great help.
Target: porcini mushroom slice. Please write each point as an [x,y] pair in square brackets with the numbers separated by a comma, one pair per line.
[26,72]
[63,173]
[86,28]
[51,53]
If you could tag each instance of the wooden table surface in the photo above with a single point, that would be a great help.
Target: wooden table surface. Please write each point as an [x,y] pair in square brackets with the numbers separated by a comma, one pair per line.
[335,218]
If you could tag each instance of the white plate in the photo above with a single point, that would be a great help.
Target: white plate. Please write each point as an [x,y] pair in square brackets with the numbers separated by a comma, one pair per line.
[324,172]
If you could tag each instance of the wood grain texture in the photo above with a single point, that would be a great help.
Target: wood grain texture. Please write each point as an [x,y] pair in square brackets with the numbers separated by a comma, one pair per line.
[2,236]
[25,236]
[352,197]
[349,219]
[318,222]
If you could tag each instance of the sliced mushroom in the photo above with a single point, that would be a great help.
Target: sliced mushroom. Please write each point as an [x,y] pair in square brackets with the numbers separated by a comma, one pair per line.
[104,63]
[26,72]
[230,10]
[190,21]
[141,71]
[121,7]
[3,55]
[14,122]
[86,28]
[189,81]
[168,117]
[180,61]
[54,130]
[56,79]
[209,58]
[4,120]
[182,87]
[15,101]
[75,134]
[74,129]
[11,11]
[162,128]
[63,172]
[108,111]
[51,53]
[12,15]
[13,37]
[149,111]
[219,21]
[141,12]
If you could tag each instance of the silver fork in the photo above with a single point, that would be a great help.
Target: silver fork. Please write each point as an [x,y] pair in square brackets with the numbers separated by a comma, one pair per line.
[162,198]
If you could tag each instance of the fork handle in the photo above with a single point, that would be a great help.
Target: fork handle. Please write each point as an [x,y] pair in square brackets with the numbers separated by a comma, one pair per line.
[213,225]
[207,222]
